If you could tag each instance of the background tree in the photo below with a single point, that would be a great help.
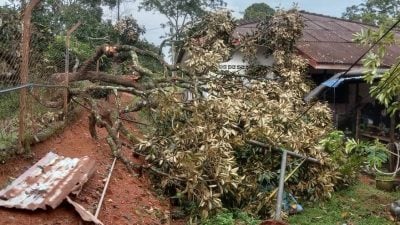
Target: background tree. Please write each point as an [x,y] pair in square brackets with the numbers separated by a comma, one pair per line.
[373,11]
[179,15]
[258,11]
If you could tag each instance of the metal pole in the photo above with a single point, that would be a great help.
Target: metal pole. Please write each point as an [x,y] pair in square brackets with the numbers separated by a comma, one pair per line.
[281,186]
[67,45]
[263,145]
[357,102]
[118,4]
[69,32]
[105,189]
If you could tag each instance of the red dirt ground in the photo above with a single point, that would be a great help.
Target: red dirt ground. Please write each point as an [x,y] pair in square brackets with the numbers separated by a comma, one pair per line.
[129,200]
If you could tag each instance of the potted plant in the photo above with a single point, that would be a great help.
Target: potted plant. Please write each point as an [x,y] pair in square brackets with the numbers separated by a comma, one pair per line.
[375,154]
[384,182]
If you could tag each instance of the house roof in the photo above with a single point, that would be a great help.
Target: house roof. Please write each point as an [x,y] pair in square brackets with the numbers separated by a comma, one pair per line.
[327,41]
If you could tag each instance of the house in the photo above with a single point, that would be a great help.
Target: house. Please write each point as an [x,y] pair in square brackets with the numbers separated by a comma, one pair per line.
[327,44]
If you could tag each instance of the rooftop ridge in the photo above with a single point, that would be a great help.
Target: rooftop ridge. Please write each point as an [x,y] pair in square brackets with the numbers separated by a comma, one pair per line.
[241,22]
[336,18]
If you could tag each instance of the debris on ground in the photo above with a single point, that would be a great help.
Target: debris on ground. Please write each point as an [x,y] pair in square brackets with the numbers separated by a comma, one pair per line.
[48,183]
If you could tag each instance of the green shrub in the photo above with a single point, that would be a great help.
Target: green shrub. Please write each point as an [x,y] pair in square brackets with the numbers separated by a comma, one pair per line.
[231,218]
[349,155]
[55,53]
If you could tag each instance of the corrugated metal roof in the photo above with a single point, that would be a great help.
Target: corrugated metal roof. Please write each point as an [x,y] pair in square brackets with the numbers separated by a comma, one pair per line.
[47,183]
[335,82]
[329,41]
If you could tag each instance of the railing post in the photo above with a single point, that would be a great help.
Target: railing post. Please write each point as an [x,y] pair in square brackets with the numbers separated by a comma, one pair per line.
[25,45]
[279,199]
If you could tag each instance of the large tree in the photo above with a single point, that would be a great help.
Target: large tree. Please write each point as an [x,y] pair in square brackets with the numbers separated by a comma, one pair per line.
[57,16]
[258,11]
[179,15]
[200,150]
[373,11]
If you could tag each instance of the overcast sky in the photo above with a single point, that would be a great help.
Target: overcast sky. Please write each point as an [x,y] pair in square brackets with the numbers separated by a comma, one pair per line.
[152,21]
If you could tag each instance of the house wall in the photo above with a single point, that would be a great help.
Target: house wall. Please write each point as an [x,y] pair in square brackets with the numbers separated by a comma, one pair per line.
[237,64]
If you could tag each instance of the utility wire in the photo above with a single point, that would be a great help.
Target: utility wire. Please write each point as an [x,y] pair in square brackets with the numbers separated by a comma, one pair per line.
[390,78]
[30,85]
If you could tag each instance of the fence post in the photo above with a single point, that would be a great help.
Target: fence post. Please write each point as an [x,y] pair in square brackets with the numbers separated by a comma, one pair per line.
[67,46]
[279,198]
[25,45]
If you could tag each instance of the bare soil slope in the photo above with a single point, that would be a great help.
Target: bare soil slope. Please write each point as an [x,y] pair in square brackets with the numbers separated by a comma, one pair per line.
[129,199]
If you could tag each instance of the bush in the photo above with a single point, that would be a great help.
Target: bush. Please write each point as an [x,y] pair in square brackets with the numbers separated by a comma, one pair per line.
[231,218]
[348,156]
[55,53]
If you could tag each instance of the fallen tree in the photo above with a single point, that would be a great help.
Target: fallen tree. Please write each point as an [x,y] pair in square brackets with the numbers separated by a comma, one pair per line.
[200,148]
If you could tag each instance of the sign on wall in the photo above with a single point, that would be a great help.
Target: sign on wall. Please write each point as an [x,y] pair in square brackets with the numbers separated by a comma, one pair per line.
[237,65]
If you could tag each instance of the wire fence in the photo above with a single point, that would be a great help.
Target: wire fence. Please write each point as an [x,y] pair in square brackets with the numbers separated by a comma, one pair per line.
[32,103]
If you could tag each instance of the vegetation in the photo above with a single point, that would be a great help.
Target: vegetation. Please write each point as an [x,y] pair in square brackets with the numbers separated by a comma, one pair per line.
[231,218]
[259,11]
[386,88]
[202,144]
[180,15]
[9,104]
[359,204]
[350,156]
[373,11]
[200,150]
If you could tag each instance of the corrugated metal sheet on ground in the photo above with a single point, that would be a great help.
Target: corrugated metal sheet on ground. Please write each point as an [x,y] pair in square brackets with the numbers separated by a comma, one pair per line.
[47,183]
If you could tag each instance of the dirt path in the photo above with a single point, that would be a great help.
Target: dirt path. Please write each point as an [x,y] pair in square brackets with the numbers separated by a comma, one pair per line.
[128,199]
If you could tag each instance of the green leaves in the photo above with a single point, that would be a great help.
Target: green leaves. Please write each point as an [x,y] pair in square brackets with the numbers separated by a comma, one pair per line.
[376,153]
[384,86]
[180,13]
[258,11]
[351,145]
[373,11]
[208,46]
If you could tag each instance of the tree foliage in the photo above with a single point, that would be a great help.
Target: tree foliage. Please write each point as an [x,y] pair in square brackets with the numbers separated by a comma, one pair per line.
[180,15]
[373,11]
[129,30]
[200,150]
[57,16]
[384,87]
[203,144]
[258,11]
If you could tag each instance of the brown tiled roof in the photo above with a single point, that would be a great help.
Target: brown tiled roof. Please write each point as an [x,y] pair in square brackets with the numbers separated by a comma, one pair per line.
[327,41]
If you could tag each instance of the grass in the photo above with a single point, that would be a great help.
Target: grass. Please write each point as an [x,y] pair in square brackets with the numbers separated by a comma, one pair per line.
[361,204]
